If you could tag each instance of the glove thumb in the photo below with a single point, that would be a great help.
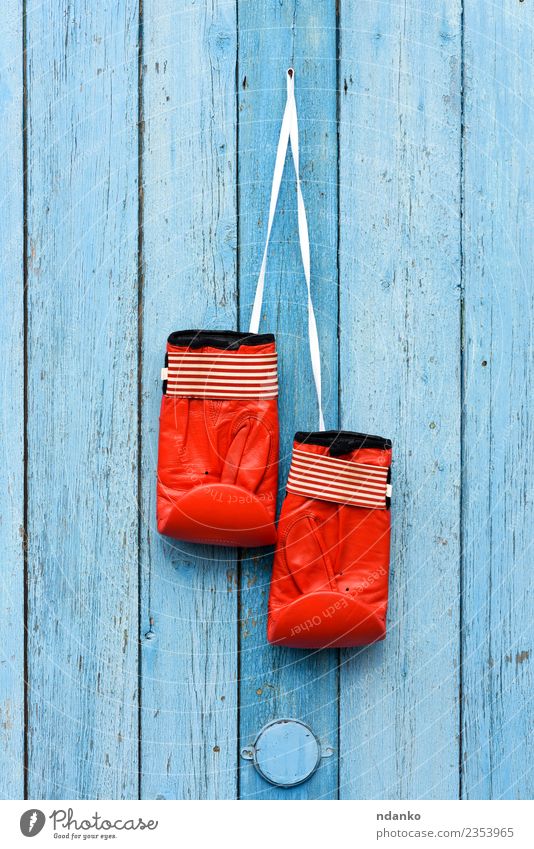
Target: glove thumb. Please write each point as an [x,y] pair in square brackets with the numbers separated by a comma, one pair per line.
[248,455]
[309,565]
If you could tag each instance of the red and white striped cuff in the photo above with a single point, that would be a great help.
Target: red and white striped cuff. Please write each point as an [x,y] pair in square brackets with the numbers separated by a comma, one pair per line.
[331,479]
[196,375]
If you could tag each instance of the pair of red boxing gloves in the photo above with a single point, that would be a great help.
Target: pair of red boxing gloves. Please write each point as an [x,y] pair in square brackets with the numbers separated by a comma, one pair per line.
[218,471]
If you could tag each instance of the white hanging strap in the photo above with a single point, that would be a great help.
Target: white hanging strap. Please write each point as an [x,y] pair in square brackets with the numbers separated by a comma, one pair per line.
[281,151]
[289,133]
[304,240]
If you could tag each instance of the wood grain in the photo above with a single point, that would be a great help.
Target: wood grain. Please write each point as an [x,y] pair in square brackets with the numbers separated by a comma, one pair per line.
[12,408]
[400,120]
[82,399]
[189,592]
[278,682]
[498,514]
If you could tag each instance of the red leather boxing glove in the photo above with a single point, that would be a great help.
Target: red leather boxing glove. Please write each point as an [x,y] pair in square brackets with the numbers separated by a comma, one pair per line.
[330,576]
[218,438]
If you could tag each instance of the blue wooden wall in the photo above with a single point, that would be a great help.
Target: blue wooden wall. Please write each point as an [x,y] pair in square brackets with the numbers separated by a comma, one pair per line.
[137,148]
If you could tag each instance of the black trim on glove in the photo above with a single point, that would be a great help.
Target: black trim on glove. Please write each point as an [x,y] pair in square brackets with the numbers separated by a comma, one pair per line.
[227,340]
[342,442]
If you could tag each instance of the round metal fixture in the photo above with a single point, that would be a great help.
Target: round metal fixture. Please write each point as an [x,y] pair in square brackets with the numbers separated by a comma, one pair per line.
[286,752]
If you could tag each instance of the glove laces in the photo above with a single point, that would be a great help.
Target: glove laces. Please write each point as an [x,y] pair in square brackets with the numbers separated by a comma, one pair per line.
[289,135]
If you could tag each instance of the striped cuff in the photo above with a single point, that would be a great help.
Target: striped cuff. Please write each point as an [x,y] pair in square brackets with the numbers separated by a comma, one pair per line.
[193,374]
[342,481]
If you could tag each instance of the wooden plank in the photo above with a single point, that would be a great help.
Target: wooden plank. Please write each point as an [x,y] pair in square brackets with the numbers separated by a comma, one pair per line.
[400,120]
[12,405]
[498,515]
[278,683]
[189,691]
[82,399]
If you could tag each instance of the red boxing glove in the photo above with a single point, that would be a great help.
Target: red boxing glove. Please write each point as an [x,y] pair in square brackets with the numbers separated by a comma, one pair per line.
[218,438]
[330,577]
